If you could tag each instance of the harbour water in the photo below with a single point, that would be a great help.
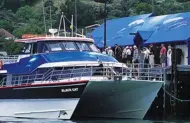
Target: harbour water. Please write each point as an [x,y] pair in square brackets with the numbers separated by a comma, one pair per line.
[13,120]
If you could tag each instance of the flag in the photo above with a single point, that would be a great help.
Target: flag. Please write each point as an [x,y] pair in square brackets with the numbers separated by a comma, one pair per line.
[71,26]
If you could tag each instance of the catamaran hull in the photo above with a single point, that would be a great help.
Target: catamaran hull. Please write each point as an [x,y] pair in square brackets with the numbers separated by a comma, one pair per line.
[56,100]
[126,99]
[38,108]
[109,99]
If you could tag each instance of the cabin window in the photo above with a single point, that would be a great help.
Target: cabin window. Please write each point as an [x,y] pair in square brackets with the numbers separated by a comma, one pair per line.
[55,47]
[45,49]
[83,46]
[93,47]
[26,49]
[69,46]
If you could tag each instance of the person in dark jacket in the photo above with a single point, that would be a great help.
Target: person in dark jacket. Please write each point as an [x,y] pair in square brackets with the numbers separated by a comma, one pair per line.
[118,53]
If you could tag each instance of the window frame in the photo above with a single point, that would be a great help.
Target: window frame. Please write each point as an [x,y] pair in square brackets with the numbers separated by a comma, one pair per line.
[86,43]
[74,44]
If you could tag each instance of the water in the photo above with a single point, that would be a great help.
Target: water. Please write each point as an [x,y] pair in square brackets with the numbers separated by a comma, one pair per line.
[13,120]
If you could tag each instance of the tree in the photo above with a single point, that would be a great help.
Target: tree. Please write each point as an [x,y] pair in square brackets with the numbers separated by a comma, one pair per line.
[28,28]
[25,13]
[2,42]
[7,25]
[182,0]
[2,2]
[13,48]
[85,13]
[28,21]
[51,15]
[143,8]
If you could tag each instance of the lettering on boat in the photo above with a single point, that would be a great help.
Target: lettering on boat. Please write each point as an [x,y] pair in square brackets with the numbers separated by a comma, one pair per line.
[69,89]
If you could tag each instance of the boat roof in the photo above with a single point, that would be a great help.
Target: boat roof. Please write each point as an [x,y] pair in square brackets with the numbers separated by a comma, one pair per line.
[81,63]
[37,39]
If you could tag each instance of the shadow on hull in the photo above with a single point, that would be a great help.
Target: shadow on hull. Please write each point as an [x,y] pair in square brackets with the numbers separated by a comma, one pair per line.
[125,99]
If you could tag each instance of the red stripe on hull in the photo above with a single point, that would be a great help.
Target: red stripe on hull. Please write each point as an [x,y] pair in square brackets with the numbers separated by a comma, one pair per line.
[45,84]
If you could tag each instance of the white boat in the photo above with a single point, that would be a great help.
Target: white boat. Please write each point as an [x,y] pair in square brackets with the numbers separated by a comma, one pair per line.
[67,77]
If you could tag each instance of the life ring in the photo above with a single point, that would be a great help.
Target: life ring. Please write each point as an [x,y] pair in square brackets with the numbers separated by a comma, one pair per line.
[1,64]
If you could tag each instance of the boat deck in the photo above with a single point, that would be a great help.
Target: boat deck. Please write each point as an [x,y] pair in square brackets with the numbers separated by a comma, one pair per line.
[107,72]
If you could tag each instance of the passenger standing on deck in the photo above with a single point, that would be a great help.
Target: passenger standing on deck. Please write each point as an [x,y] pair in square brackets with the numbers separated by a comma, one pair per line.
[163,55]
[110,51]
[146,55]
[126,55]
[135,54]
[131,58]
[169,56]
[103,51]
[118,53]
[151,55]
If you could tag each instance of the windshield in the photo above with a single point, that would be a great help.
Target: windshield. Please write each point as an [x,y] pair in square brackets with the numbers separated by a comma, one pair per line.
[57,46]
[93,47]
[69,46]
[83,46]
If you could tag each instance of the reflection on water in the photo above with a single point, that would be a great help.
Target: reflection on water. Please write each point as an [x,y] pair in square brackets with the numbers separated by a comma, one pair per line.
[12,120]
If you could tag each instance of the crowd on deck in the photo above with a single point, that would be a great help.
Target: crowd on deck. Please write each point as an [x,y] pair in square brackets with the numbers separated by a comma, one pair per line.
[150,55]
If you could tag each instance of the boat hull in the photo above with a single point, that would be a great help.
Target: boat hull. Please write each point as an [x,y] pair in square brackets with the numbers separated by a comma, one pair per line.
[55,100]
[126,99]
[38,108]
[103,99]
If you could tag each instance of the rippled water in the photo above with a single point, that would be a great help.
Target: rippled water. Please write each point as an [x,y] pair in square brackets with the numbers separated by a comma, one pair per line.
[12,120]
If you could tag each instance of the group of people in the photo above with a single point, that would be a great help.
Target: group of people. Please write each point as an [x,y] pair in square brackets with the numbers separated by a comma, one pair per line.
[147,55]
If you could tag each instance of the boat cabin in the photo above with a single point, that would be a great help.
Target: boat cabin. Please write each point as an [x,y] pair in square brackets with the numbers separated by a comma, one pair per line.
[49,59]
[56,44]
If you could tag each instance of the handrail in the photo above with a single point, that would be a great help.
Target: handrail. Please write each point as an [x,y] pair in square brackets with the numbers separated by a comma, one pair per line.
[9,59]
[143,72]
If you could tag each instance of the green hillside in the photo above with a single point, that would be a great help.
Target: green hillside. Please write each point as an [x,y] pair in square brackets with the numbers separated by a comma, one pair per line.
[26,16]
[24,13]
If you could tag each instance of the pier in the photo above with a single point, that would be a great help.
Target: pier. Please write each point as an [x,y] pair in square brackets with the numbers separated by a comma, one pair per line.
[173,99]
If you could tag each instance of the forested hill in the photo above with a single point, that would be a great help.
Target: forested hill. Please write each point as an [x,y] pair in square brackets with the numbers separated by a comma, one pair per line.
[26,16]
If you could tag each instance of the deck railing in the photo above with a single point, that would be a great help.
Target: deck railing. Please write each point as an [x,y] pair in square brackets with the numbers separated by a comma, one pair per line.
[9,59]
[143,72]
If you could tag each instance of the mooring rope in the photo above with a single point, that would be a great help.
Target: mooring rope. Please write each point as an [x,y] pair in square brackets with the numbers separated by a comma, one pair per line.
[178,99]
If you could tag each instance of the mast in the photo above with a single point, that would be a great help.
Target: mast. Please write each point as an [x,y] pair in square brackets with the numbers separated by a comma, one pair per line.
[50,12]
[64,27]
[76,17]
[44,17]
[72,25]
[62,18]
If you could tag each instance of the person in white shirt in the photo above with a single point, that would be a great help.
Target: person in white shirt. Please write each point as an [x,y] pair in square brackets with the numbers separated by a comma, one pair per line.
[126,55]
[169,56]
[146,55]
[110,51]
[151,55]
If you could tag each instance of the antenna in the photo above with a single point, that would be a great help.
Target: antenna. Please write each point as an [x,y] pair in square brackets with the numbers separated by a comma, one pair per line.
[44,17]
[62,17]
